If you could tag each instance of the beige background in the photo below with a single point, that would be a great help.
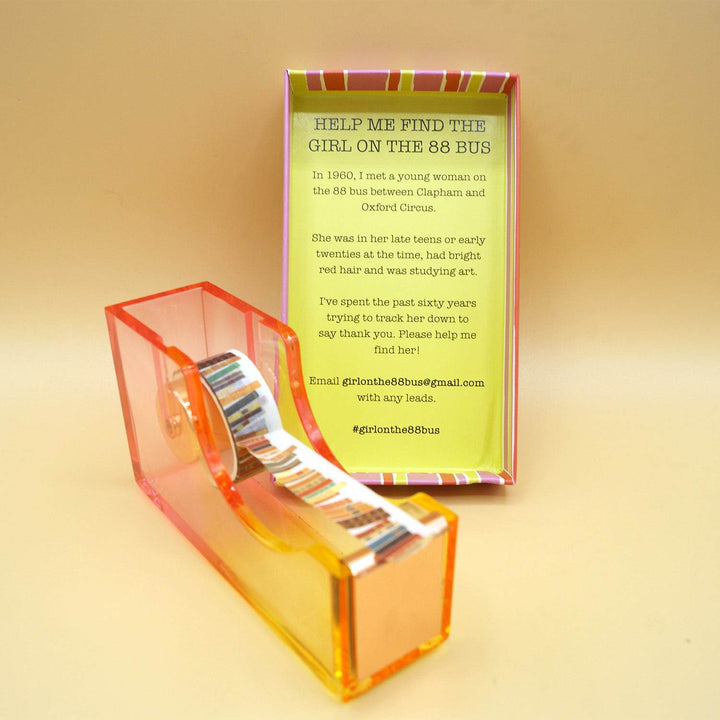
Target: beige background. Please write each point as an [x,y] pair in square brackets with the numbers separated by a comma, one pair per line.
[141,149]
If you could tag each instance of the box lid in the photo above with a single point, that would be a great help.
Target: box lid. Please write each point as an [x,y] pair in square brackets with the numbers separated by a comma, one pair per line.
[400,268]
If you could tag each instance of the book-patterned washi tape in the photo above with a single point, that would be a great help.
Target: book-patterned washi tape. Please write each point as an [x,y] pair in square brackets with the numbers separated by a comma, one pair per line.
[260,442]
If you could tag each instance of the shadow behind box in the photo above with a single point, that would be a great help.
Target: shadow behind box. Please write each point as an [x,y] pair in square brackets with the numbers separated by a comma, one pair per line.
[284,556]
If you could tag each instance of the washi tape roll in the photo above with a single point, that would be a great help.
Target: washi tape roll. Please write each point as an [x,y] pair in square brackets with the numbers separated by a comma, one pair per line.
[260,442]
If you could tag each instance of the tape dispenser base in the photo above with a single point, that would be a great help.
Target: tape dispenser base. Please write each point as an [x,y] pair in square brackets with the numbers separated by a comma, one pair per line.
[357,602]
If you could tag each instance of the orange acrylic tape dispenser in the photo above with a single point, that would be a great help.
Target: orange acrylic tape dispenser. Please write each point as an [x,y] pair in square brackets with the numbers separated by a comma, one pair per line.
[223,440]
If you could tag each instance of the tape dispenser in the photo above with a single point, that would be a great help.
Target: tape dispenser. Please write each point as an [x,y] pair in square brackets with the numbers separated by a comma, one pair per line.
[222,439]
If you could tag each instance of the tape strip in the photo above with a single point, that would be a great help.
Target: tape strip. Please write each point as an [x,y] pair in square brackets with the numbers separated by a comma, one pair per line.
[260,442]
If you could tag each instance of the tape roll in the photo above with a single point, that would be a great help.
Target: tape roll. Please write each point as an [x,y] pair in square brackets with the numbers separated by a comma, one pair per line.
[260,442]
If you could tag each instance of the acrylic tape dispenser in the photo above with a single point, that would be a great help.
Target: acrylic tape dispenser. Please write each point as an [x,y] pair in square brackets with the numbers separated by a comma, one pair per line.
[223,440]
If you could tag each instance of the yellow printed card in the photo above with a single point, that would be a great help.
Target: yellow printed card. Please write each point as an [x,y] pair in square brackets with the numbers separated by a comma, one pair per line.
[401,268]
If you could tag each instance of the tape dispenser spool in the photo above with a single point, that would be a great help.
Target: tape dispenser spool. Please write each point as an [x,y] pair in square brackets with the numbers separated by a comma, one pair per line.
[249,434]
